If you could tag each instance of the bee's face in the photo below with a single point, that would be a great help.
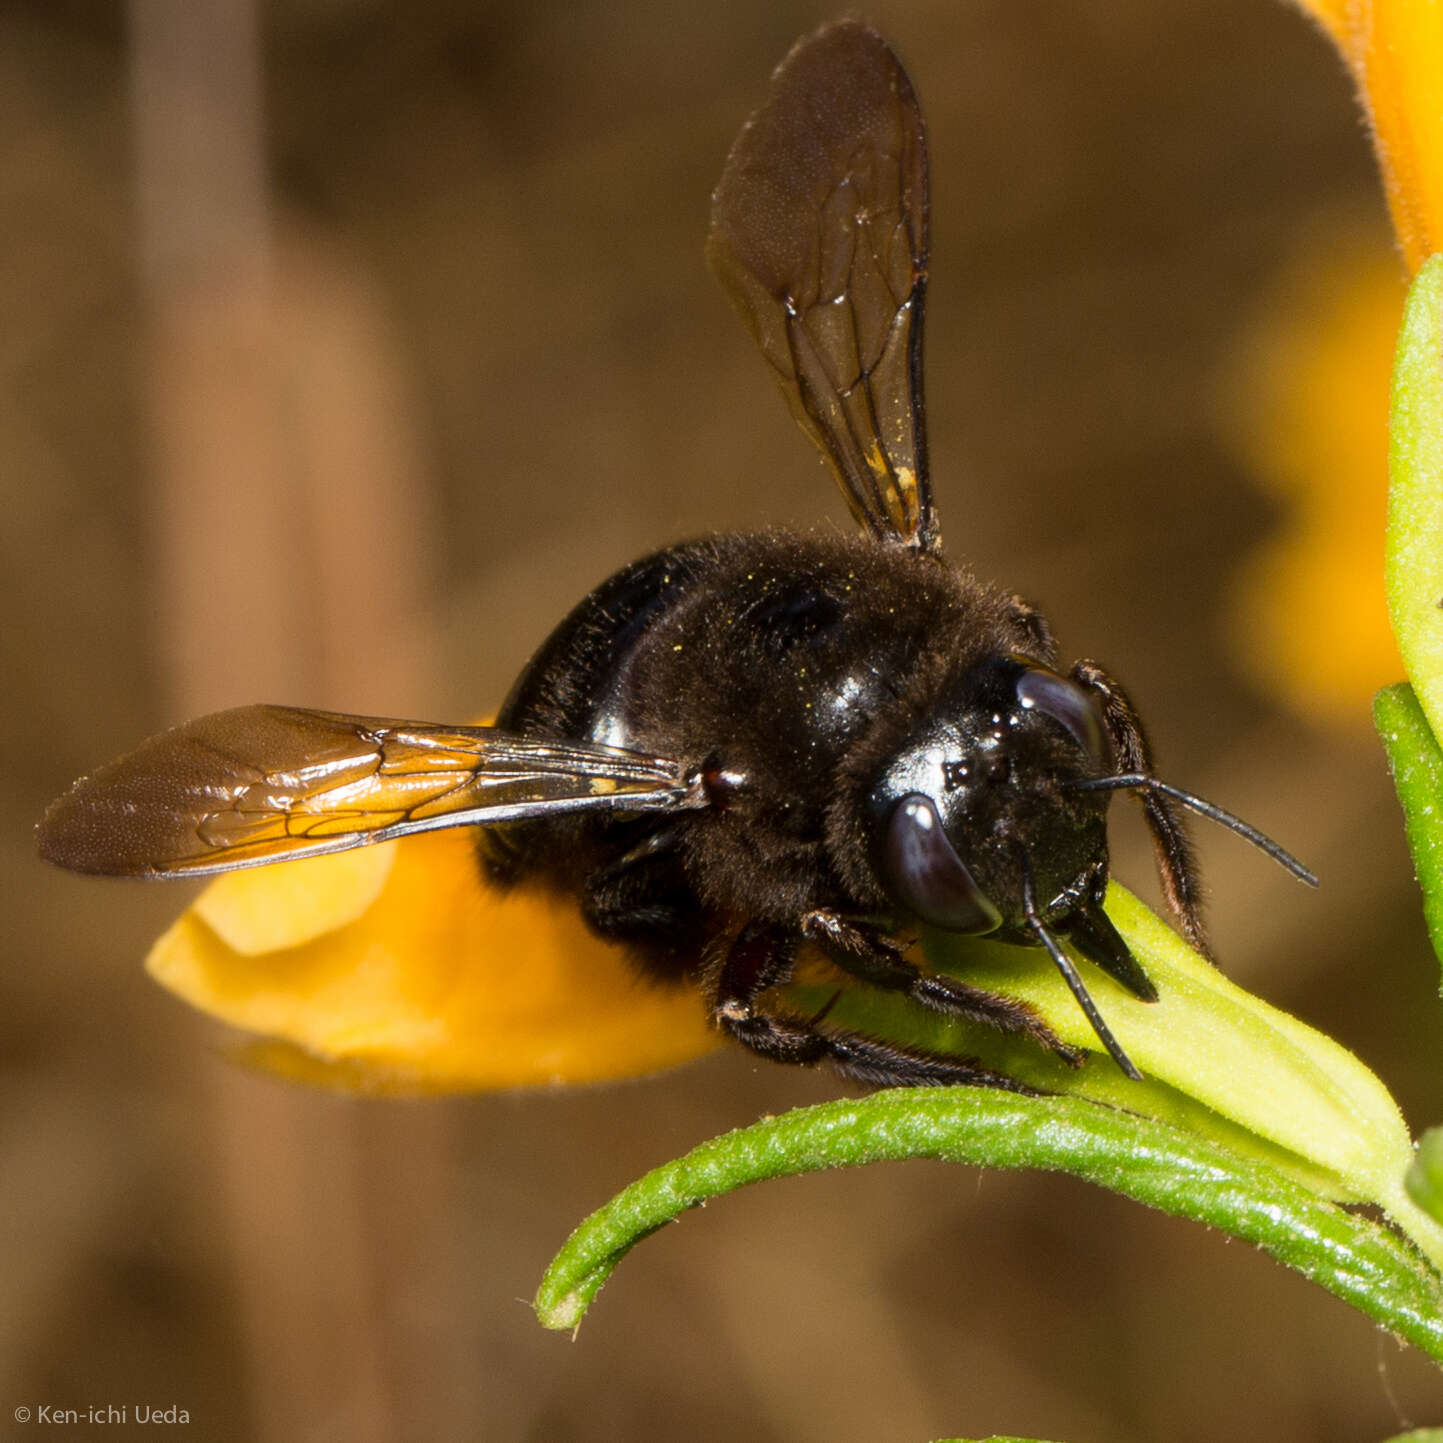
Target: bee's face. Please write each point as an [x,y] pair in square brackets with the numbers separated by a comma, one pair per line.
[979,807]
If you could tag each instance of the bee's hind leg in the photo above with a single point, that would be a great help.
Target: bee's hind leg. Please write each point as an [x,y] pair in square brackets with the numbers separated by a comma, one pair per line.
[762,957]
[641,898]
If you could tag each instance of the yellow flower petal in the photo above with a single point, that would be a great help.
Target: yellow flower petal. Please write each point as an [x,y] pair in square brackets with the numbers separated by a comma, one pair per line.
[1396,48]
[1395,51]
[401,969]
[268,909]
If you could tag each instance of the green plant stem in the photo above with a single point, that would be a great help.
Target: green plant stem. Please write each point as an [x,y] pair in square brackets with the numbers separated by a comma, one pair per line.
[1361,1261]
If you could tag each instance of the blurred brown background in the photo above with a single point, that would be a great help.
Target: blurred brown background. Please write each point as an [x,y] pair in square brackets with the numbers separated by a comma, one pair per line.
[343,345]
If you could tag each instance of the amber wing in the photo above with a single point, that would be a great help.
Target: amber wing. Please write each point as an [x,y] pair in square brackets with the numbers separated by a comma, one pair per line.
[819,233]
[266,783]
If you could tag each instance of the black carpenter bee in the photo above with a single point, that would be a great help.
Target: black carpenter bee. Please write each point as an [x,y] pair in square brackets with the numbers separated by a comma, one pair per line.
[743,744]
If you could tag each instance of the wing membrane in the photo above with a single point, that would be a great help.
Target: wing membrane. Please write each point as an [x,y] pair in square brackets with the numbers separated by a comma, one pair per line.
[819,234]
[265,783]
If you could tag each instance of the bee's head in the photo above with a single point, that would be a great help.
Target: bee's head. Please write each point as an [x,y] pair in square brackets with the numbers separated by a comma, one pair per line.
[980,805]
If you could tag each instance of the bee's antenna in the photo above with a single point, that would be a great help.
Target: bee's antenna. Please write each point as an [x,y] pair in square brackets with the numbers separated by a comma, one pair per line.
[1071,976]
[1132,781]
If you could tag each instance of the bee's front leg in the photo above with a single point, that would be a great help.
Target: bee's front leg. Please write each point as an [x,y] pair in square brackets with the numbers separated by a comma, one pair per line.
[1132,753]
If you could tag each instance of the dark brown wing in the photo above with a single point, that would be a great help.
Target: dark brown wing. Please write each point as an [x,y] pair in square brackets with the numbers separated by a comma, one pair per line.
[266,783]
[819,233]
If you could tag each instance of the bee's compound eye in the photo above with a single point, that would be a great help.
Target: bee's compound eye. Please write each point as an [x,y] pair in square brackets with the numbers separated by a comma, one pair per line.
[925,873]
[1066,702]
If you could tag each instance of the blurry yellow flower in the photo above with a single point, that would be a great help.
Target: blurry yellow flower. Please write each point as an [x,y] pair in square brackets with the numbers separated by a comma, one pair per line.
[1395,51]
[398,969]
[1311,618]
[1309,615]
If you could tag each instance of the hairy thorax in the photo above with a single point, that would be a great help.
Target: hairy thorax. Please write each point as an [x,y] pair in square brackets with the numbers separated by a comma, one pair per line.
[776,662]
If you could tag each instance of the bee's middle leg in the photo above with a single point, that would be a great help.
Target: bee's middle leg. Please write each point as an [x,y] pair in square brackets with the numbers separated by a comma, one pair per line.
[762,957]
[863,951]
